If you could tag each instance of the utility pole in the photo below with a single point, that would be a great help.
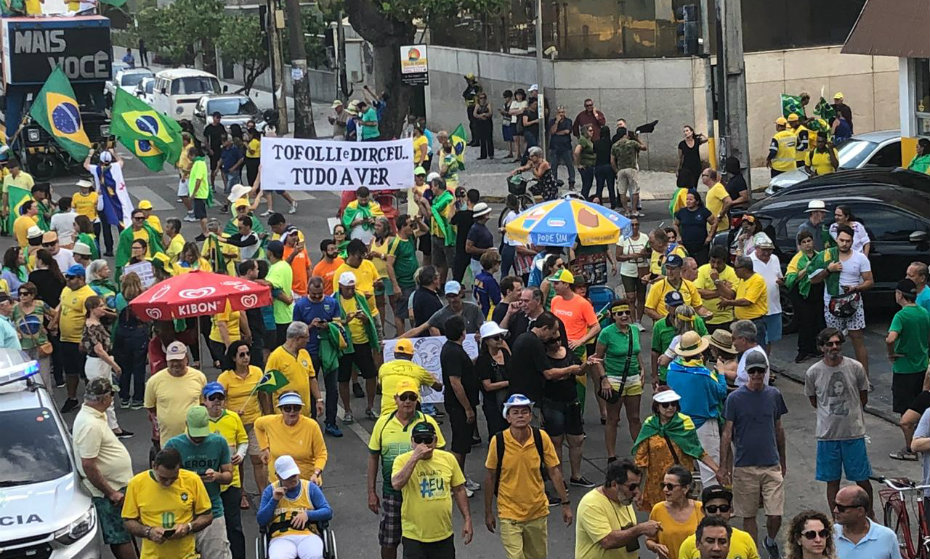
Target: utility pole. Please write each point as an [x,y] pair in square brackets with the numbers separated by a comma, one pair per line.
[737,132]
[273,28]
[541,104]
[708,85]
[300,77]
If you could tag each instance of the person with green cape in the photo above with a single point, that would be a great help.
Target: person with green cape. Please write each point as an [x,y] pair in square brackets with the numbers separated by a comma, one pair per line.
[921,160]
[360,215]
[355,316]
[668,437]
[241,207]
[807,297]
[139,229]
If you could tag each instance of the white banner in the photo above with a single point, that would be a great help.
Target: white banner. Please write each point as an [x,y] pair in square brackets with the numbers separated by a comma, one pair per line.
[294,164]
[426,354]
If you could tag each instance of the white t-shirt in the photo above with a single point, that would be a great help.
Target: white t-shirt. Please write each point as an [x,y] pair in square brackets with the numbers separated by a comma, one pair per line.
[630,268]
[517,105]
[63,224]
[64,258]
[511,215]
[860,236]
[851,274]
[741,376]
[771,272]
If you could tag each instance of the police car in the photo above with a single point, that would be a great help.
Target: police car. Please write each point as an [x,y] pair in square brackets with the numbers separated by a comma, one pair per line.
[44,512]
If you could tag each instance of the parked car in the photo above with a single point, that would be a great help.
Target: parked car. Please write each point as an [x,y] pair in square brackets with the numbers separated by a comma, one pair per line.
[892,203]
[145,90]
[236,109]
[872,149]
[177,91]
[126,79]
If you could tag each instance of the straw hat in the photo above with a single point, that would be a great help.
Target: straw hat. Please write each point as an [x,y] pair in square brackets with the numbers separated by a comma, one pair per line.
[722,340]
[691,344]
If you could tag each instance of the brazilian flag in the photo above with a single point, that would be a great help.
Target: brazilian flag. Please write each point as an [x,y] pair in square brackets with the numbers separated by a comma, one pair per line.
[458,143]
[16,197]
[824,110]
[56,110]
[792,104]
[272,381]
[134,120]
[148,154]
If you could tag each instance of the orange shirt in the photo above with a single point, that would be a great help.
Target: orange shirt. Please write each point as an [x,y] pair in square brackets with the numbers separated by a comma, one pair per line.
[577,314]
[326,271]
[300,266]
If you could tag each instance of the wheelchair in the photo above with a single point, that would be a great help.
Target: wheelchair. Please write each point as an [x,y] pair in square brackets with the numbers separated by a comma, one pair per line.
[323,529]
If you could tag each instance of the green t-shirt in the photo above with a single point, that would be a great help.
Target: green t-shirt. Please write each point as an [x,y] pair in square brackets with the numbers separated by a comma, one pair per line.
[405,261]
[280,276]
[912,323]
[618,345]
[211,453]
[662,335]
[587,158]
[624,152]
[370,131]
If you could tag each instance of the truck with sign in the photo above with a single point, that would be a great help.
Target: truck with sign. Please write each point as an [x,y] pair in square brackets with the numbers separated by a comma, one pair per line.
[31,48]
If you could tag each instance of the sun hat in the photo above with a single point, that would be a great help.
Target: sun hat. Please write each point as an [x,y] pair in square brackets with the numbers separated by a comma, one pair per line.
[176,350]
[238,191]
[761,240]
[690,344]
[404,346]
[336,103]
[212,388]
[290,399]
[34,232]
[489,329]
[564,276]
[406,385]
[516,401]
[480,210]
[198,421]
[665,396]
[816,206]
[285,467]
[49,237]
[721,339]
[452,287]
[84,183]
[81,249]
[347,279]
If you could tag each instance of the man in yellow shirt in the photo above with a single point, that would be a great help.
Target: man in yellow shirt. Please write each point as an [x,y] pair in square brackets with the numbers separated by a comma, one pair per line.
[71,314]
[718,503]
[171,391]
[402,369]
[150,218]
[655,300]
[515,463]
[750,299]
[716,280]
[294,362]
[29,218]
[366,275]
[18,178]
[428,479]
[662,248]
[803,143]
[357,316]
[174,242]
[717,199]
[165,507]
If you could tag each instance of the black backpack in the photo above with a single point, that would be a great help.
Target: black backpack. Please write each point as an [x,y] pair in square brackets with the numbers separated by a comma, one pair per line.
[499,442]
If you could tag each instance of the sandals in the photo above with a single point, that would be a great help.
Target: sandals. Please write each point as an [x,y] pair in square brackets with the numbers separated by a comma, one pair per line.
[903,454]
[244,503]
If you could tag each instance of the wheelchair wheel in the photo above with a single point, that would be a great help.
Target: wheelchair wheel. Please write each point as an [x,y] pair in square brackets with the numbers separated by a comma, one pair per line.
[329,544]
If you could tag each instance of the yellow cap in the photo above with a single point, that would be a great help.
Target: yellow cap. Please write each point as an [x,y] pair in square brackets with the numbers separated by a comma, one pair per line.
[406,385]
[839,95]
[404,346]
[793,117]
[563,275]
[781,121]
[241,202]
[145,205]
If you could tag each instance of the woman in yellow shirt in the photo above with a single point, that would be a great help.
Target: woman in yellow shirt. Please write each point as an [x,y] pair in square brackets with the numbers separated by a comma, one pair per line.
[822,160]
[225,328]
[293,434]
[677,514]
[253,153]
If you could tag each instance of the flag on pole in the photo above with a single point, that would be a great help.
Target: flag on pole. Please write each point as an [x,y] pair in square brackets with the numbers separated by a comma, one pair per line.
[457,138]
[272,381]
[792,104]
[134,121]
[148,154]
[56,110]
[824,110]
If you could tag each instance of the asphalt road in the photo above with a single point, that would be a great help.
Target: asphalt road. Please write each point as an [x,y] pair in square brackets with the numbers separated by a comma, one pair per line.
[356,527]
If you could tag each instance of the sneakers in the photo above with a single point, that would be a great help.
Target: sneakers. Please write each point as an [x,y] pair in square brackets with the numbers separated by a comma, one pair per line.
[124,434]
[475,440]
[60,384]
[124,404]
[471,485]
[293,209]
[70,405]
[555,501]
[370,414]
[347,419]
[333,430]
[137,405]
[771,546]
[903,454]
[190,218]
[265,213]
[357,390]
[468,492]
[200,238]
[582,482]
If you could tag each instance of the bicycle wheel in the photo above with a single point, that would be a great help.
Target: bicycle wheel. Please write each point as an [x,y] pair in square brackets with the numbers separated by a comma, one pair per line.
[896,518]
[526,201]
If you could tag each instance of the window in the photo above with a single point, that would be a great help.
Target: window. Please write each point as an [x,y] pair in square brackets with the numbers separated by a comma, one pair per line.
[885,224]
[31,448]
[854,152]
[194,84]
[888,156]
[233,106]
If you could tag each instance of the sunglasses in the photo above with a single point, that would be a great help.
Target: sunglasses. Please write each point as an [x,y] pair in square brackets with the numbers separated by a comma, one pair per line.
[51,244]
[242,354]
[496,338]
[407,397]
[756,372]
[215,397]
[670,486]
[138,218]
[588,105]
[621,313]
[844,508]
[290,409]
[631,487]
[21,293]
[812,534]
[424,439]
[714,509]
[667,404]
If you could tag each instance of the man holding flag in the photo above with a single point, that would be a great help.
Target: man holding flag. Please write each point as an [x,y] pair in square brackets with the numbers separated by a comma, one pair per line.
[17,187]
[113,201]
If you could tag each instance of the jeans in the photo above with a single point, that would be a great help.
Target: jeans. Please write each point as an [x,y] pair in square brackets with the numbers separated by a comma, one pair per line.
[331,385]
[529,140]
[231,500]
[107,233]
[562,157]
[587,179]
[131,350]
[58,363]
[604,175]
[508,253]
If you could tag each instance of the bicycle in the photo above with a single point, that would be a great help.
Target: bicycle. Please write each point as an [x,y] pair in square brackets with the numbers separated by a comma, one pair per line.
[527,190]
[895,498]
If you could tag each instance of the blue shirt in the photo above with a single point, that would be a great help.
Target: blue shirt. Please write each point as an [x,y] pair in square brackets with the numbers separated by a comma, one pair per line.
[8,337]
[702,391]
[306,310]
[321,509]
[211,453]
[923,298]
[430,140]
[879,543]
[487,291]
[754,415]
[481,237]
[230,156]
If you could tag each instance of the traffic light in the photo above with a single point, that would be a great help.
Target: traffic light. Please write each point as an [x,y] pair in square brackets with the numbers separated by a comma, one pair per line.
[688,31]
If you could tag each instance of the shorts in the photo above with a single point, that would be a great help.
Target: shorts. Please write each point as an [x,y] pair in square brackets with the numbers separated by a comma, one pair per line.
[462,430]
[183,191]
[772,327]
[761,337]
[270,339]
[854,322]
[905,387]
[254,449]
[834,457]
[632,387]
[627,183]
[389,528]
[200,208]
[361,358]
[387,288]
[920,403]
[72,358]
[415,549]
[561,418]
[633,285]
[441,255]
[711,328]
[402,306]
[111,521]
[214,162]
[507,132]
[749,482]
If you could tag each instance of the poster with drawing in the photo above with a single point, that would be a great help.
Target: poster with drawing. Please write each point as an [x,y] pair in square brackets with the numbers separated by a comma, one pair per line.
[426,354]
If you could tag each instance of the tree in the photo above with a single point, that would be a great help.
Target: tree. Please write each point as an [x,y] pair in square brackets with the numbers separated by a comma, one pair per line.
[181,29]
[242,41]
[388,25]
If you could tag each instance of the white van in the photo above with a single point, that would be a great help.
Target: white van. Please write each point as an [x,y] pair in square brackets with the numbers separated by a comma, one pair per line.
[177,91]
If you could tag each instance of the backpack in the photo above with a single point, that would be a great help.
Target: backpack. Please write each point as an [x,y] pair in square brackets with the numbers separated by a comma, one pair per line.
[499,441]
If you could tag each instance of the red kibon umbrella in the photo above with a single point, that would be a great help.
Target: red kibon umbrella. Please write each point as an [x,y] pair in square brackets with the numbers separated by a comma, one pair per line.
[199,294]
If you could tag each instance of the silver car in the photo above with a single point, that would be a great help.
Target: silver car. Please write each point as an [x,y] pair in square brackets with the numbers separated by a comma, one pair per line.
[44,511]
[872,149]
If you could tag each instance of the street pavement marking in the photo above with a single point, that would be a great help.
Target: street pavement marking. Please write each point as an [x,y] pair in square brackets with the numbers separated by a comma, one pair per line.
[146,193]
[355,427]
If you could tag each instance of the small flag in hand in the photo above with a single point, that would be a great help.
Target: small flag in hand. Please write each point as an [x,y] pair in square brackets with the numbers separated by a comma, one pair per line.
[272,381]
[792,104]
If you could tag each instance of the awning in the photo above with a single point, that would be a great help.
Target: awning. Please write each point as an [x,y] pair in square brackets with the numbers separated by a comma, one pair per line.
[891,28]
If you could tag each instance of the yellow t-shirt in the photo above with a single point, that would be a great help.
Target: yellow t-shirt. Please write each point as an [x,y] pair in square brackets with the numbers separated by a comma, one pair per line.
[521,495]
[656,297]
[253,150]
[286,509]
[302,441]
[231,318]
[741,547]
[21,226]
[144,235]
[426,512]
[185,163]
[820,162]
[673,532]
[23,181]
[753,289]
[155,223]
[171,397]
[704,281]
[298,369]
[418,144]
[392,373]
[390,438]
[156,505]
[240,397]
[230,427]
[356,325]
[93,438]
[598,516]
[714,202]
[173,251]
[657,260]
[365,276]
[85,204]
[71,323]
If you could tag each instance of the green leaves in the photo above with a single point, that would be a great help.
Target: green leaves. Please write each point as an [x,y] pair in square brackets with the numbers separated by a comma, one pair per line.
[175,29]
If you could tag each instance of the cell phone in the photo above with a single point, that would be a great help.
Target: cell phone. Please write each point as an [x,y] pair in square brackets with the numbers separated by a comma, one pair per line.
[169,533]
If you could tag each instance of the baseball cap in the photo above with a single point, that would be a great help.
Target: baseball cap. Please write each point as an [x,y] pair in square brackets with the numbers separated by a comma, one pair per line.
[793,117]
[563,275]
[290,399]
[106,157]
[674,261]
[176,350]
[534,87]
[419,171]
[81,249]
[756,360]
[907,286]
[716,492]
[144,205]
[240,203]
[406,385]
[75,270]
[347,279]
[452,288]
[839,95]
[433,175]
[423,428]
[515,401]
[285,467]
[781,121]
[673,299]
[404,346]
[100,386]
[34,232]
[198,421]
[212,388]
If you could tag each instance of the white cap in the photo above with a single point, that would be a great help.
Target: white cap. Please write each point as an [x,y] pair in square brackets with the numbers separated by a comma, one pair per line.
[534,87]
[347,279]
[286,467]
[452,287]
[176,350]
[666,396]
[489,329]
[433,175]
[290,399]
[816,206]
[106,157]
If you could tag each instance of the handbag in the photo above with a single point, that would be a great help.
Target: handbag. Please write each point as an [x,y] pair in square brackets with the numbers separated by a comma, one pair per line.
[845,306]
[43,349]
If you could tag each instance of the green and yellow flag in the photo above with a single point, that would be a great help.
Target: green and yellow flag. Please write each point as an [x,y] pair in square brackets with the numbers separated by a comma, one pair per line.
[824,110]
[56,110]
[148,154]
[458,139]
[272,381]
[16,197]
[135,122]
[792,104]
